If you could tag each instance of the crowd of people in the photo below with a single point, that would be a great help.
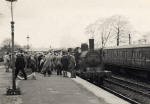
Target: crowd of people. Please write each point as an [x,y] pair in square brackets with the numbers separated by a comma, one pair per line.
[45,63]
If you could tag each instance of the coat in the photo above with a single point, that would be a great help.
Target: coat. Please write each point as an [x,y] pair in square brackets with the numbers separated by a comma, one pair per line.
[48,64]
[72,62]
[20,62]
[58,60]
[65,61]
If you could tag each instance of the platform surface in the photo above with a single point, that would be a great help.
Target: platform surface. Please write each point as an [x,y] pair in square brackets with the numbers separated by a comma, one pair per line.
[55,90]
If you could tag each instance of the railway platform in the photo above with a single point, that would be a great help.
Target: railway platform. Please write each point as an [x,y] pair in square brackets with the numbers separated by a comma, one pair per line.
[56,90]
[6,82]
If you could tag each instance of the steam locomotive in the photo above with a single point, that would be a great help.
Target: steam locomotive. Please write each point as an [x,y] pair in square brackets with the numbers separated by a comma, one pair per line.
[89,62]
[128,60]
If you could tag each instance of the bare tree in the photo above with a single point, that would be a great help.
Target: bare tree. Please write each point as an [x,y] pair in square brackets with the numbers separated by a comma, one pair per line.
[110,30]
[104,30]
[90,30]
[7,46]
[121,29]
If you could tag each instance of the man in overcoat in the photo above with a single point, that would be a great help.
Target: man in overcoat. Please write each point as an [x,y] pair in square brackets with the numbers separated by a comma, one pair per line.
[20,65]
[72,64]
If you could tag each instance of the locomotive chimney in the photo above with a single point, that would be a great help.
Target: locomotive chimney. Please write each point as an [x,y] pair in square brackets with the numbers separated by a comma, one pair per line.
[91,44]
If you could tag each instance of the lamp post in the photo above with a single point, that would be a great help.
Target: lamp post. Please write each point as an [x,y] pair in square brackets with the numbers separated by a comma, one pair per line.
[13,90]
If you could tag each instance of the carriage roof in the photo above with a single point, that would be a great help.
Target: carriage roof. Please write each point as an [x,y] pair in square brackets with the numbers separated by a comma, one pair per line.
[129,46]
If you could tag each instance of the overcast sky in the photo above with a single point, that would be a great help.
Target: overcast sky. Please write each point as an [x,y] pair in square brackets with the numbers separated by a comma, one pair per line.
[62,23]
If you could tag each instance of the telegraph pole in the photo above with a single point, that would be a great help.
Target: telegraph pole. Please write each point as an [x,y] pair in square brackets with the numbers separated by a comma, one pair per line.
[13,90]
[129,39]
[28,42]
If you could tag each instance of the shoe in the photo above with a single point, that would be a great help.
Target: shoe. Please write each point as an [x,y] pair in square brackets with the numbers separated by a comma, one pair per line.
[25,78]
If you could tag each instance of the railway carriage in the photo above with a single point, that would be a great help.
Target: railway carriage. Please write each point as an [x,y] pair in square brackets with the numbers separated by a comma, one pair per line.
[131,59]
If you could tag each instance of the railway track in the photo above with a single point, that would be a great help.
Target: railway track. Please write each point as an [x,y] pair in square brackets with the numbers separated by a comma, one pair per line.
[137,83]
[120,95]
[116,93]
[133,92]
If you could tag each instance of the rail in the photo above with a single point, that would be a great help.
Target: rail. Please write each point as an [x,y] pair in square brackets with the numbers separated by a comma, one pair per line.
[120,95]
